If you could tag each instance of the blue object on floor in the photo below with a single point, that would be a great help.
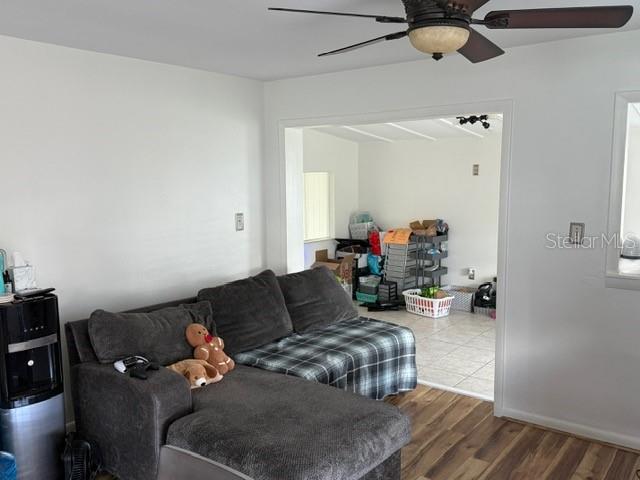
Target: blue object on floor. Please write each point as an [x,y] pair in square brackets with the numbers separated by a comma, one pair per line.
[8,470]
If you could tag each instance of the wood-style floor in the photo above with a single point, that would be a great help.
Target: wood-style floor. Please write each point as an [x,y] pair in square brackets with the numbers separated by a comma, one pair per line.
[458,438]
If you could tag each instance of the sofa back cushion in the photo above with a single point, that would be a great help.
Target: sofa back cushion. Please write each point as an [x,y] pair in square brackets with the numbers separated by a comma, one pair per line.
[158,335]
[315,299]
[249,313]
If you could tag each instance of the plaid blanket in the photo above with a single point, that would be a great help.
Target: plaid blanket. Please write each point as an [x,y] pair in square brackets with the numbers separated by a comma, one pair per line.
[365,356]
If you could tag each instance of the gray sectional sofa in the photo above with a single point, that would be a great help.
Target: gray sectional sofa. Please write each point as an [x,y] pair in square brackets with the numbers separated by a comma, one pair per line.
[263,424]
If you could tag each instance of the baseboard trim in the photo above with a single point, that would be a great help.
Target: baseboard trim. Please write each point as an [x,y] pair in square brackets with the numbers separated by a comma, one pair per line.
[571,428]
[583,431]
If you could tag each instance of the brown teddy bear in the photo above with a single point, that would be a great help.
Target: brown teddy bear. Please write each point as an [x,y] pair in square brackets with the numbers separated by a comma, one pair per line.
[209,348]
[198,372]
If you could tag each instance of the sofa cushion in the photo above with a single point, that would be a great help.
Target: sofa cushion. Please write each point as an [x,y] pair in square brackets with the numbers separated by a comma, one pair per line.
[315,299]
[158,335]
[273,427]
[249,313]
[79,342]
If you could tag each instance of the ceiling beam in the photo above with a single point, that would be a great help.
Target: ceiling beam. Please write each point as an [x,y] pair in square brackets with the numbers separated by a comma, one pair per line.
[412,132]
[367,134]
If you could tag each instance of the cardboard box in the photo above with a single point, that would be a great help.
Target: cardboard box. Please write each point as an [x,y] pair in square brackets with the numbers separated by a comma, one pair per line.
[341,268]
[427,223]
[399,236]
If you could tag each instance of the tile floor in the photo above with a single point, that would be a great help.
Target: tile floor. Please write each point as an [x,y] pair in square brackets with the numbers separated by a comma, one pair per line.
[456,352]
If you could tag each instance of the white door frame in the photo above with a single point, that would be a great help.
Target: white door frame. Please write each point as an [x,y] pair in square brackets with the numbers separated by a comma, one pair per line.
[293,178]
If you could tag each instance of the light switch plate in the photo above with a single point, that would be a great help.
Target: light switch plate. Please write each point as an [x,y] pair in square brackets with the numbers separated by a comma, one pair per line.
[576,233]
[239,222]
[476,169]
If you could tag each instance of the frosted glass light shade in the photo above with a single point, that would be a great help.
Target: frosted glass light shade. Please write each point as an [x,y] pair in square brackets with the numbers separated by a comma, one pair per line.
[439,38]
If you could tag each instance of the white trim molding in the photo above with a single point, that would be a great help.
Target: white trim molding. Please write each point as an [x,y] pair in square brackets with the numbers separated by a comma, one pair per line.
[613,277]
[293,251]
[580,430]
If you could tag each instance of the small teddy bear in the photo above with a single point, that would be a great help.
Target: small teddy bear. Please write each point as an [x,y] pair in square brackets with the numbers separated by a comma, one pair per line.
[198,372]
[209,348]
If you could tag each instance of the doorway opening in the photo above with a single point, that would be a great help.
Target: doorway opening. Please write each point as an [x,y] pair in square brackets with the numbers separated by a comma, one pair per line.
[395,171]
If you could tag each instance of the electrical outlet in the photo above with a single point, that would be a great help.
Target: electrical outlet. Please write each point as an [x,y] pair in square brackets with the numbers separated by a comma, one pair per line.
[576,233]
[239,222]
[472,273]
[476,169]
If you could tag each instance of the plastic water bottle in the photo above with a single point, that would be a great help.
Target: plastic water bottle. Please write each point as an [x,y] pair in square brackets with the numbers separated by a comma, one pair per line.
[8,470]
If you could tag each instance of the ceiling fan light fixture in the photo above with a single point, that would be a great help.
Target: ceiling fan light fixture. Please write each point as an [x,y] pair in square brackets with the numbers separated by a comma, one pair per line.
[435,39]
[439,27]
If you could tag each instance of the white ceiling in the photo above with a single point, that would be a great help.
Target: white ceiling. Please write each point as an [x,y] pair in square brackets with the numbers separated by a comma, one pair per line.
[240,36]
[437,129]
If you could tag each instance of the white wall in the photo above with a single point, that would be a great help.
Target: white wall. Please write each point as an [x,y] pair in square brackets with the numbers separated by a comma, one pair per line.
[294,247]
[327,153]
[421,179]
[120,178]
[571,345]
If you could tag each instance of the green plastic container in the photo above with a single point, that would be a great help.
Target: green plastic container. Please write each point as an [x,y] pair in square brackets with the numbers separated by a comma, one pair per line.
[366,298]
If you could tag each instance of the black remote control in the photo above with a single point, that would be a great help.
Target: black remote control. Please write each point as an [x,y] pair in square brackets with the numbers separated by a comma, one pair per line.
[140,370]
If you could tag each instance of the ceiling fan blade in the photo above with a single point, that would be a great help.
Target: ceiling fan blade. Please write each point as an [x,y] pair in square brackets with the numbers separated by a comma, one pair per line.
[393,36]
[472,5]
[378,18]
[479,48]
[579,17]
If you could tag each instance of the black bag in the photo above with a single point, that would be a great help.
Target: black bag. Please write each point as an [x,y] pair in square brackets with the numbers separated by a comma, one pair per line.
[485,296]
[82,461]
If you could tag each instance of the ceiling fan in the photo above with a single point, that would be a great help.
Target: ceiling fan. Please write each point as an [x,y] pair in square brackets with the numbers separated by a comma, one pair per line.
[438,27]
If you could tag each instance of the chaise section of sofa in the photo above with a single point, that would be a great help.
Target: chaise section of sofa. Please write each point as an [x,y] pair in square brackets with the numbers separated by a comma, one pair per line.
[271,426]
